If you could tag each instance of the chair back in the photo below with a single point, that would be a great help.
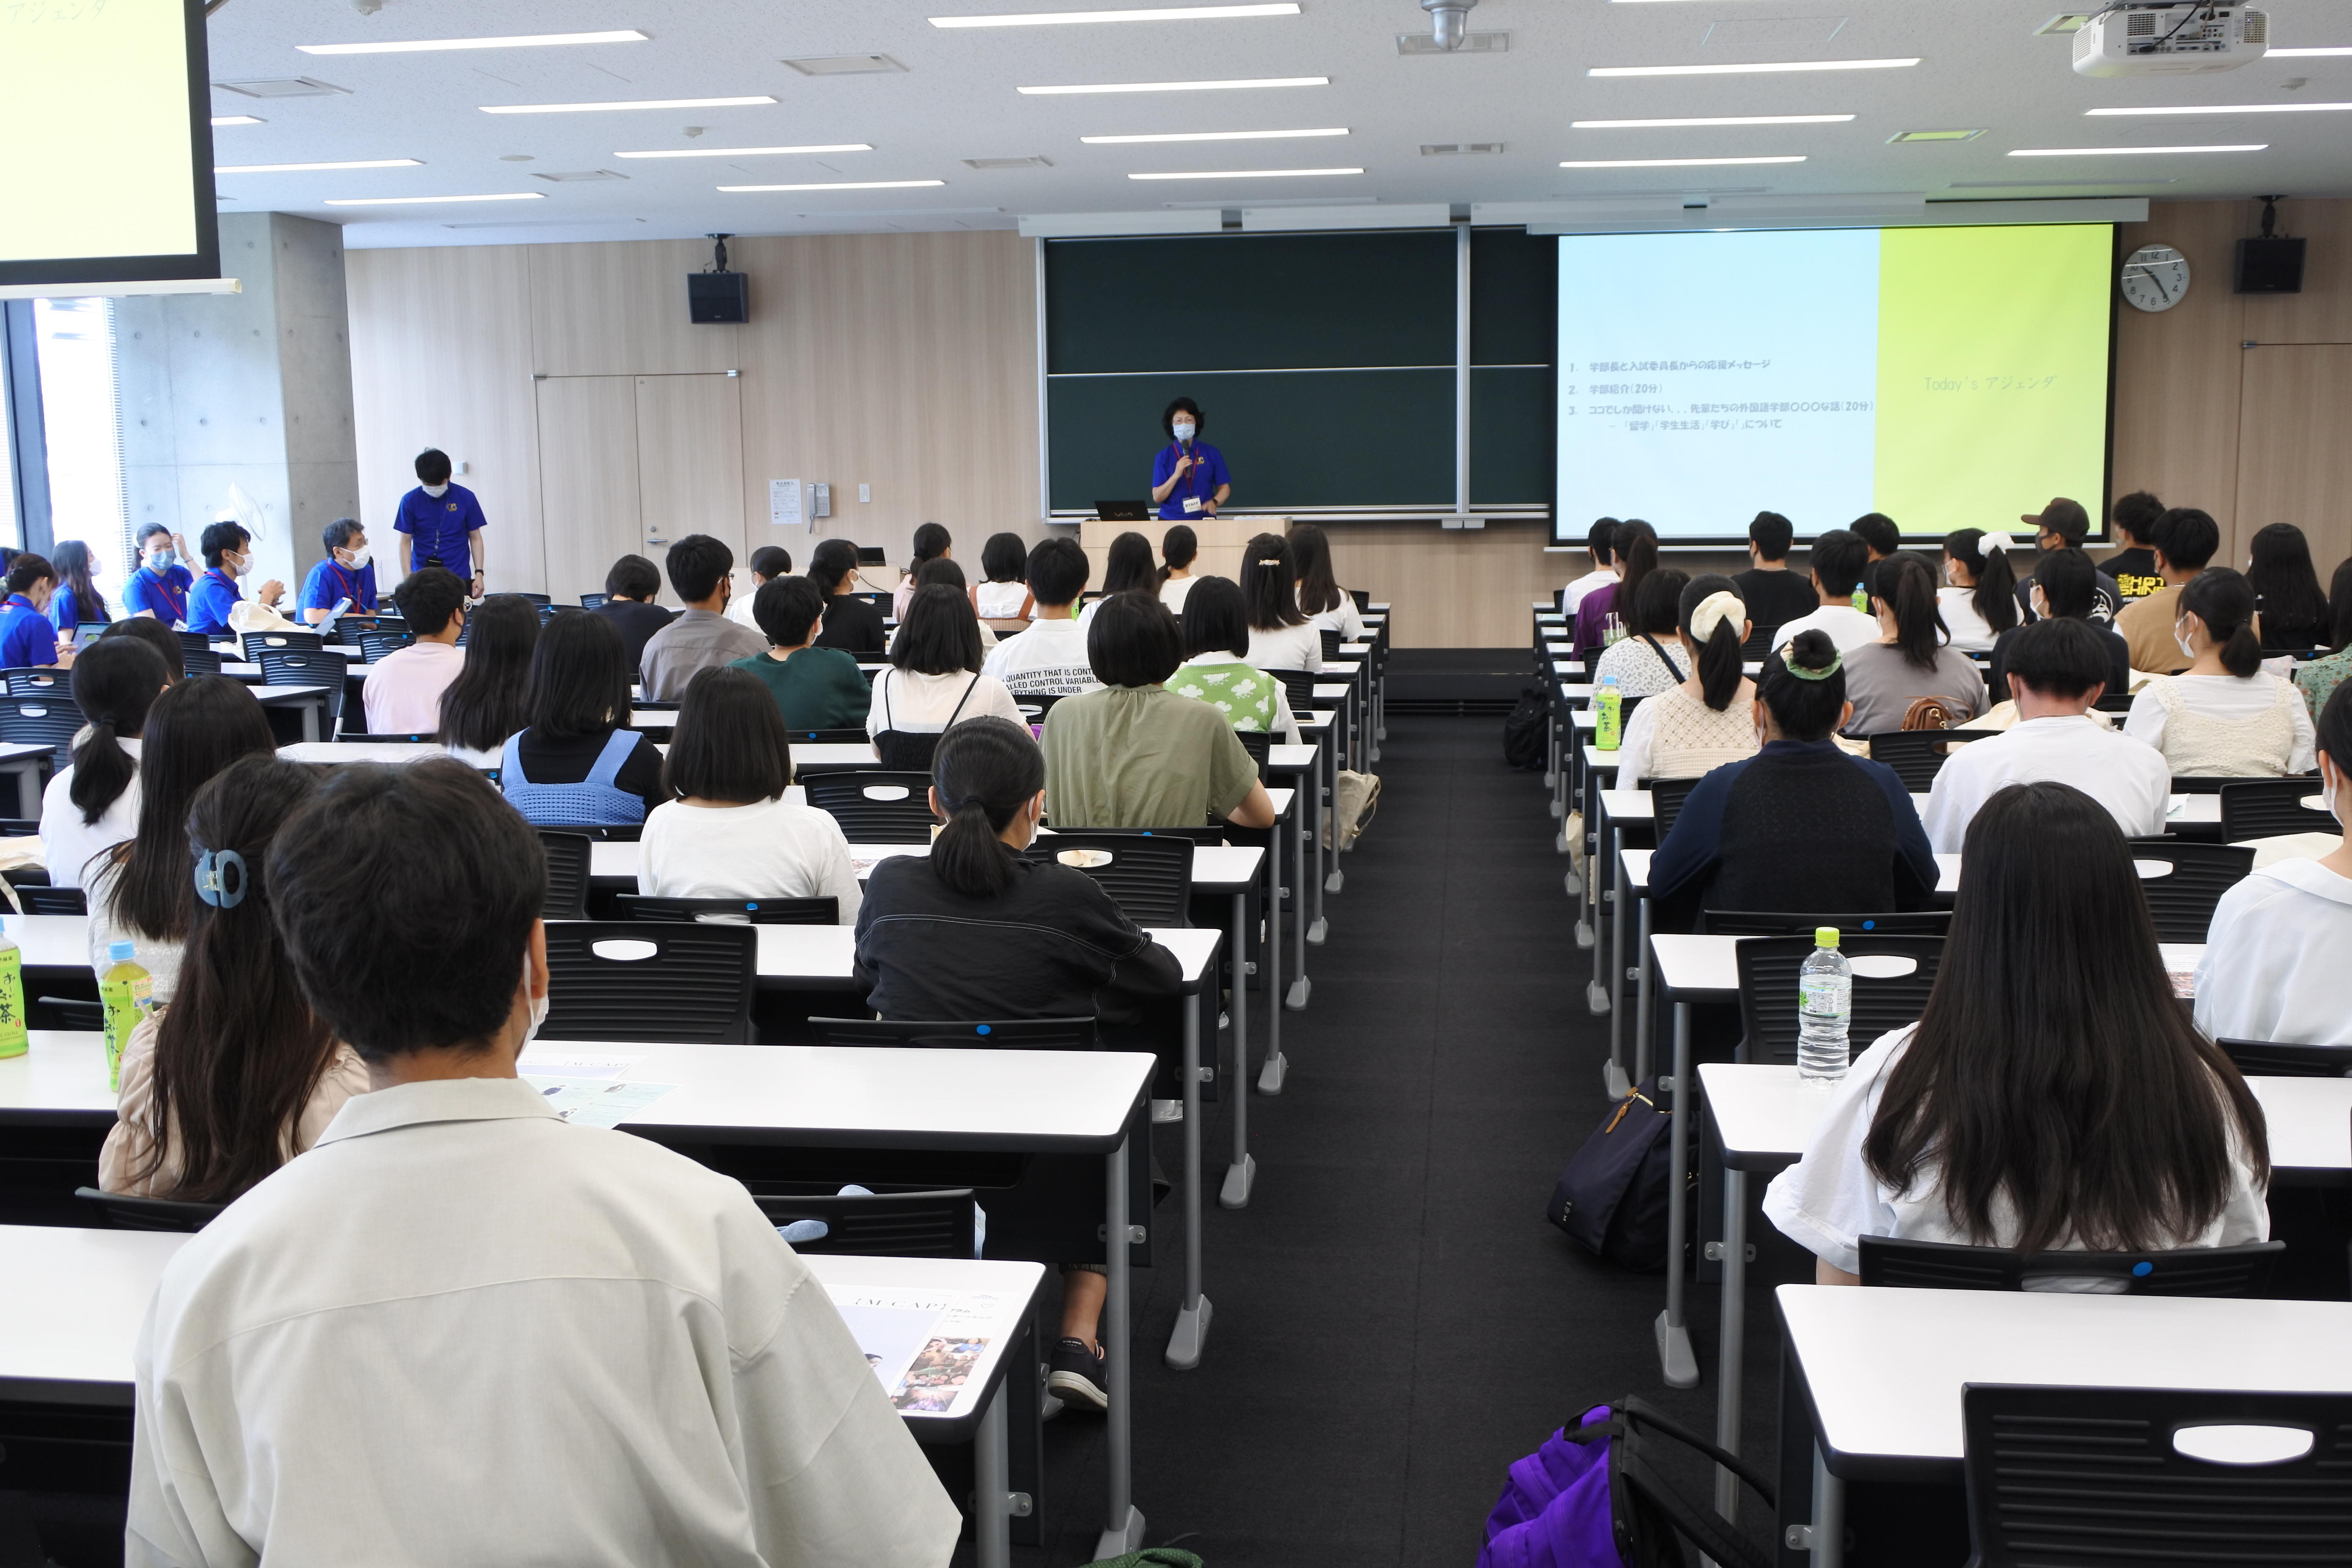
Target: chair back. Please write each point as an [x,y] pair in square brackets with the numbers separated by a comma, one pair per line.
[255,642]
[733,911]
[2114,703]
[1035,705]
[307,667]
[2184,880]
[126,1213]
[40,899]
[1259,744]
[1666,797]
[822,737]
[594,601]
[1363,597]
[1002,1035]
[1300,686]
[1887,995]
[568,855]
[619,979]
[194,642]
[2255,1059]
[1918,755]
[375,645]
[2214,784]
[1149,877]
[1331,641]
[943,1223]
[1764,923]
[371,738]
[875,806]
[50,722]
[196,662]
[1759,644]
[534,598]
[2265,808]
[39,682]
[2185,1271]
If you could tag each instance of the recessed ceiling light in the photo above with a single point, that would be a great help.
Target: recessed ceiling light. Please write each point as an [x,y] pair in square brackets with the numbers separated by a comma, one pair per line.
[750,152]
[2232,109]
[1246,174]
[1674,162]
[236,120]
[1711,119]
[574,176]
[1754,70]
[843,185]
[1178,86]
[521,41]
[1209,136]
[2309,54]
[1934,136]
[1034,161]
[305,168]
[413,201]
[2128,151]
[634,103]
[1150,13]
[2063,23]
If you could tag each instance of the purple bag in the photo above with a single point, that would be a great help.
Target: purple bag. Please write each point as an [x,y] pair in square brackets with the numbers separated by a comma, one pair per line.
[1594,1497]
[1554,1511]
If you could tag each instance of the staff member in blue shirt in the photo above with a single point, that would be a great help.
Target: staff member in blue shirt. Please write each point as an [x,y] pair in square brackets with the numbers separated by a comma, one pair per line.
[228,555]
[347,573]
[1189,477]
[27,641]
[440,524]
[158,588]
[77,603]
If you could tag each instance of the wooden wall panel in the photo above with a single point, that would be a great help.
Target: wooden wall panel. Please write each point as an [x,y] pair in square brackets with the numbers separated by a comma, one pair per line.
[588,450]
[690,462]
[620,309]
[2177,371]
[2294,463]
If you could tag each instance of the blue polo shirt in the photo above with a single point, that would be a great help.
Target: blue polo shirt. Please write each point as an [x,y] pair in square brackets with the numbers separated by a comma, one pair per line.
[331,583]
[27,638]
[67,611]
[439,527]
[166,597]
[1207,475]
[215,594]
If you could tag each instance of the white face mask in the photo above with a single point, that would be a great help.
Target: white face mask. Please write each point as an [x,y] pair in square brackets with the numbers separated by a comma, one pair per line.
[539,1004]
[357,559]
[2040,604]
[236,563]
[2187,651]
[1184,432]
[437,492]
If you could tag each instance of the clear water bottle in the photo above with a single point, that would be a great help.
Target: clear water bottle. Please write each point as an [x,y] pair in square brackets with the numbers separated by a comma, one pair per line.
[1824,1009]
[1607,715]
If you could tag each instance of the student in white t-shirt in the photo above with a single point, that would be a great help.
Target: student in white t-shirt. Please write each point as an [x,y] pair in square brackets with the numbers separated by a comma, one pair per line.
[1281,637]
[93,805]
[1127,569]
[1838,557]
[728,831]
[2054,1095]
[1049,659]
[1179,548]
[1979,598]
[2225,716]
[1327,606]
[1600,543]
[766,564]
[1004,596]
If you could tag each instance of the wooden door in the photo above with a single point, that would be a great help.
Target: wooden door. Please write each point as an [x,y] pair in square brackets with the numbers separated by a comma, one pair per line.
[2293,464]
[588,480]
[690,463]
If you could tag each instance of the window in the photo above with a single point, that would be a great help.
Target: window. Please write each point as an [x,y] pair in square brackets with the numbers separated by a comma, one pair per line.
[74,342]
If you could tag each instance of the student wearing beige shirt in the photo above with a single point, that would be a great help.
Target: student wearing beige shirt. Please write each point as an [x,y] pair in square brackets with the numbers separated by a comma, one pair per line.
[2184,540]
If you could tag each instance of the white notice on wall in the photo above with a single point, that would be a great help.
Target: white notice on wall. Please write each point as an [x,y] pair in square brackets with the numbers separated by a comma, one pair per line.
[785,504]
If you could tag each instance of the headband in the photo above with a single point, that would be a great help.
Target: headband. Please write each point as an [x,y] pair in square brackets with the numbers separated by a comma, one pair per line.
[222,879]
[1836,663]
[1713,611]
[1999,544]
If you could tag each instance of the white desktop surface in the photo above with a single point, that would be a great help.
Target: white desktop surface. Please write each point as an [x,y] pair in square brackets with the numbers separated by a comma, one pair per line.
[25,751]
[1330,690]
[807,754]
[1703,965]
[1637,861]
[1215,867]
[76,1305]
[1289,758]
[62,1070]
[1635,805]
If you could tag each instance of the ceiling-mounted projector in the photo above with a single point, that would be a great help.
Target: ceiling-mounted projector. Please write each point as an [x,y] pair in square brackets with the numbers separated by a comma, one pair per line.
[2171,37]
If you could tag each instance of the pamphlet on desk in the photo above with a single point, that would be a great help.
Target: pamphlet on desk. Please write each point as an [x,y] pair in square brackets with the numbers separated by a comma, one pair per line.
[925,1346]
[586,1090]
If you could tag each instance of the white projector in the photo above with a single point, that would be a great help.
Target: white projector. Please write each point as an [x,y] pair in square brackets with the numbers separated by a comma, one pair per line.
[2171,37]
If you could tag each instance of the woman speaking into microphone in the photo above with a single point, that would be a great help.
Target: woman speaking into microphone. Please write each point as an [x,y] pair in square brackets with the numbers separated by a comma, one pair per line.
[1188,478]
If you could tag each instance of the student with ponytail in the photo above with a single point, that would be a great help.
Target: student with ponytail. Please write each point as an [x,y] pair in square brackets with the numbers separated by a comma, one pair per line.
[2224,716]
[1709,719]
[1909,660]
[93,805]
[1179,548]
[1604,612]
[1982,601]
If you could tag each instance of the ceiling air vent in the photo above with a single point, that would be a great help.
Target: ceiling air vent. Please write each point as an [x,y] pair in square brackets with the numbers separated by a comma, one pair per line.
[1455,148]
[1039,162]
[281,86]
[576,175]
[845,64]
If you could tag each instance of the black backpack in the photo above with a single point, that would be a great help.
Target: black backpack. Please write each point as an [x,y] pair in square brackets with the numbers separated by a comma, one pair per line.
[1523,730]
[1612,1199]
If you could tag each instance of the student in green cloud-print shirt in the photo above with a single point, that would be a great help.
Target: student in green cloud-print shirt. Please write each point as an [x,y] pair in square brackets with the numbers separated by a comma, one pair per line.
[1216,670]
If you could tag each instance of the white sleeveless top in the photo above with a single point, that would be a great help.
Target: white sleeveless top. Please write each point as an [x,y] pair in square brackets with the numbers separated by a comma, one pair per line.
[2200,745]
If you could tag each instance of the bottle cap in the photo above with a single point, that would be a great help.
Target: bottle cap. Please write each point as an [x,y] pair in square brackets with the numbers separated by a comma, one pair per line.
[119,953]
[1825,936]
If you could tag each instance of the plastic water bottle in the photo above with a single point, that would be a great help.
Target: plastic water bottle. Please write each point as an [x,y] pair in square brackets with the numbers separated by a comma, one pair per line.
[1608,711]
[13,1037]
[126,993]
[1824,1008]
[1861,598]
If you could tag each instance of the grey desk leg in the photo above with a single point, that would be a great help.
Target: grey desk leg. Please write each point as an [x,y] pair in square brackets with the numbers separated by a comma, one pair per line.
[1270,1076]
[310,711]
[1122,1522]
[1193,1315]
[28,789]
[1679,1362]
[991,1509]
[1241,1175]
[1300,986]
[1827,1532]
[1731,1353]
[1326,823]
[1617,946]
[1588,931]
[1642,1035]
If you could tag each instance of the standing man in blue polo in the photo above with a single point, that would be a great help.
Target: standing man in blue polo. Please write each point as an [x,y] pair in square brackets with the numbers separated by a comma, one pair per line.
[158,588]
[347,573]
[1188,478]
[228,555]
[440,524]
[27,640]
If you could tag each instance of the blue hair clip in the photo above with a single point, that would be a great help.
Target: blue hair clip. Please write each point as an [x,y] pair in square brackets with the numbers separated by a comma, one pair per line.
[220,878]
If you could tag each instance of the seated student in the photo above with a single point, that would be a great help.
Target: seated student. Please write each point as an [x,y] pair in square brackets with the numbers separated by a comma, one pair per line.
[813,688]
[77,603]
[1772,593]
[216,606]
[141,890]
[2064,584]
[1005,596]
[2318,679]
[2185,541]
[1800,826]
[578,763]
[939,572]
[1327,606]
[1179,548]
[1602,614]
[2224,716]
[1641,665]
[851,623]
[2057,668]
[2289,609]
[151,632]
[347,573]
[1135,754]
[974,931]
[1710,719]
[1600,546]
[1980,602]
[237,1076]
[158,588]
[1908,660]
[934,680]
[2052,1095]
[931,543]
[1880,536]
[624,1320]
[403,691]
[1216,668]
[766,564]
[2132,521]
[2278,957]
[702,638]
[1281,637]
[1049,659]
[484,705]
[27,640]
[1838,558]
[93,805]
[2064,525]
[1127,569]
[728,831]
[630,589]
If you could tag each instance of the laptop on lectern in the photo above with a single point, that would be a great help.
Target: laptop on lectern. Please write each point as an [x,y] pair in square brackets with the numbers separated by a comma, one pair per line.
[1123,511]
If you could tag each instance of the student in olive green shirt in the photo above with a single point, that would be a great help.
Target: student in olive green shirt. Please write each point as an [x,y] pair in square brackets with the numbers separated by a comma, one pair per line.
[816,688]
[1136,755]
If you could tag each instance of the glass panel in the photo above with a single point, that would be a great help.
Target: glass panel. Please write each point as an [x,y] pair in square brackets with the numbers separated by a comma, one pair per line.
[75,341]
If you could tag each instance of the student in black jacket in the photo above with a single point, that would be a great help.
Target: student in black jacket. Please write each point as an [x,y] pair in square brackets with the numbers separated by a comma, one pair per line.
[630,588]
[851,623]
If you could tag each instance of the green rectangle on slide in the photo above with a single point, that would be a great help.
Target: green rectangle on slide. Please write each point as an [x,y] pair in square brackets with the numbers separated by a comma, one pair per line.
[1992,373]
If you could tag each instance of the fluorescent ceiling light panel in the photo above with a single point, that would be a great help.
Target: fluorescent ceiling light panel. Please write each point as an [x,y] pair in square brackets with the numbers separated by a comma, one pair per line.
[1953,135]
[1673,162]
[1758,69]
[749,151]
[221,120]
[431,45]
[2232,109]
[306,168]
[634,103]
[843,185]
[2127,152]
[1148,14]
[1246,174]
[2309,54]
[1714,120]
[1177,85]
[1209,136]
[414,201]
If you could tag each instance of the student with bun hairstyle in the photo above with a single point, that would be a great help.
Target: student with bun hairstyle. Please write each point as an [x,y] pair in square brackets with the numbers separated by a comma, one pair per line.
[1127,569]
[851,623]
[2224,716]
[2053,1096]
[1179,548]
[93,804]
[1802,826]
[1281,637]
[1982,601]
[1216,668]
[1639,662]
[1005,596]
[1608,608]
[1710,719]
[1909,660]
[1327,606]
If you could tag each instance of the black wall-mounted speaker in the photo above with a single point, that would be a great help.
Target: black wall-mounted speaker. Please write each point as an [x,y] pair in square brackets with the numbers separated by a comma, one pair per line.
[2270,266]
[718,297]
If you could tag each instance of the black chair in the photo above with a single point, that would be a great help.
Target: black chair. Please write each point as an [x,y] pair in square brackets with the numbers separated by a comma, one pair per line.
[20,827]
[594,601]
[2266,809]
[881,601]
[534,598]
[1666,797]
[1363,597]
[194,642]
[689,984]
[254,643]
[2064,1478]
[1918,755]
[1014,1034]
[309,666]
[820,737]
[50,722]
[39,900]
[2114,703]
[733,911]
[1759,644]
[1147,875]
[1768,989]
[874,808]
[375,645]
[1331,641]
[2256,1059]
[2209,783]
[546,613]
[568,857]
[1754,922]
[1259,744]
[2185,1271]
[943,1223]
[125,1212]
[365,737]
[2181,899]
[1035,705]
[1300,686]
[39,682]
